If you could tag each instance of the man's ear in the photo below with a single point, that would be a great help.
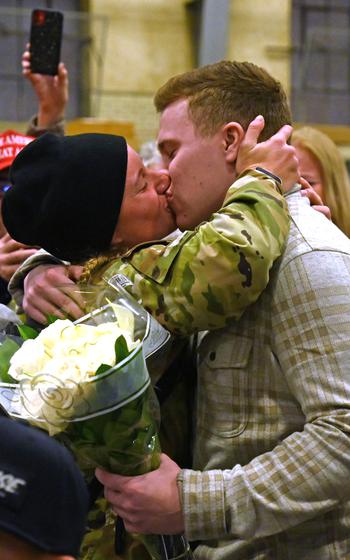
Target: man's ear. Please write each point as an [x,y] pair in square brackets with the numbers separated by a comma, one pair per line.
[233,135]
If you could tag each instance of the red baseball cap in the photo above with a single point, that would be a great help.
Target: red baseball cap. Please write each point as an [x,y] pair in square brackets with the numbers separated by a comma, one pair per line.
[11,143]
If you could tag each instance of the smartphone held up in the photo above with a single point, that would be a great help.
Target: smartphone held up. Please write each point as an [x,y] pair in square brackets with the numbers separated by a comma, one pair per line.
[45,41]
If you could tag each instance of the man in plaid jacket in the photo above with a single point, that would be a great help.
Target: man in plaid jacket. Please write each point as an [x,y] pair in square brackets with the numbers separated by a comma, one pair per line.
[270,476]
[271,468]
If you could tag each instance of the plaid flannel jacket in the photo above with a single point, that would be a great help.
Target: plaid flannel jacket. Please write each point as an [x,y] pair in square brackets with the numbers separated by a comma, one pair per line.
[273,412]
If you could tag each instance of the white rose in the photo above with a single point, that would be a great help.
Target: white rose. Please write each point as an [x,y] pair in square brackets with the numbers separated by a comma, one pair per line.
[50,336]
[70,351]
[51,367]
[28,360]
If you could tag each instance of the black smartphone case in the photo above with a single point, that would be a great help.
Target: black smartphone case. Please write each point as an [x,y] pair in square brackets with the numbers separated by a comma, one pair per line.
[45,41]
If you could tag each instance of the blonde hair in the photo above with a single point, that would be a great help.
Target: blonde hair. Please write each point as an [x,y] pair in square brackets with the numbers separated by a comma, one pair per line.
[95,267]
[334,173]
[228,91]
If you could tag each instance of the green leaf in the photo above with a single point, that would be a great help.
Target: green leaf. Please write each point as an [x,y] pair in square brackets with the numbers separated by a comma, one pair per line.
[51,318]
[102,368]
[27,332]
[7,349]
[121,349]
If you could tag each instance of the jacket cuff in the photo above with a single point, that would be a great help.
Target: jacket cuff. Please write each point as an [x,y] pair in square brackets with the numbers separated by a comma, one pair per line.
[203,503]
[55,128]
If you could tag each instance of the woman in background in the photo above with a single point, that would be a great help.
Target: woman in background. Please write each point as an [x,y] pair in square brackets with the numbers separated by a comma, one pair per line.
[322,165]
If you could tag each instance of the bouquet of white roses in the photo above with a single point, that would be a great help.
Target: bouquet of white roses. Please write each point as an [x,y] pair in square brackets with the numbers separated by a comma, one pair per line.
[87,384]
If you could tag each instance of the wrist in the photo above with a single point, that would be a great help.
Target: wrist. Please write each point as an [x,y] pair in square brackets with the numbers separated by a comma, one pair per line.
[45,119]
[270,174]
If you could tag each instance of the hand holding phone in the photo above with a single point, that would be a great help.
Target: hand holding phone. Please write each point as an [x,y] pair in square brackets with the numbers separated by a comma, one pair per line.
[45,41]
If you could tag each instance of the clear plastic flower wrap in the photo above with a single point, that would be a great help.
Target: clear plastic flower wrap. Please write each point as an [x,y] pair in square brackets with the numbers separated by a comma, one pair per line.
[87,383]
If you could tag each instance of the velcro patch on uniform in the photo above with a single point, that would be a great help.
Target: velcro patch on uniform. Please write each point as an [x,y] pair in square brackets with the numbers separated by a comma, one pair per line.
[120,280]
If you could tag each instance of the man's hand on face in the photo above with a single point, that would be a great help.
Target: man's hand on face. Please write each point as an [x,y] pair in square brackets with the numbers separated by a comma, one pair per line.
[315,200]
[149,503]
[274,154]
[52,290]
[12,254]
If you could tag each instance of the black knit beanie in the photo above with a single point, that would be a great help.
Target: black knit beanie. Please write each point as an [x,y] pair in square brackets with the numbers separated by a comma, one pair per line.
[67,193]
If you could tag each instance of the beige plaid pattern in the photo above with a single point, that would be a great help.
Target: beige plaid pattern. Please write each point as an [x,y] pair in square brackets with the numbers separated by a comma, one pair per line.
[273,412]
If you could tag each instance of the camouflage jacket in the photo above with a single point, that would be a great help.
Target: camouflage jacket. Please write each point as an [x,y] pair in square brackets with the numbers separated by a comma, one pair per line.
[207,277]
[204,278]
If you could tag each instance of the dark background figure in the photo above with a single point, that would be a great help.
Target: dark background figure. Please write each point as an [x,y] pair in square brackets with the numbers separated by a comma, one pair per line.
[43,496]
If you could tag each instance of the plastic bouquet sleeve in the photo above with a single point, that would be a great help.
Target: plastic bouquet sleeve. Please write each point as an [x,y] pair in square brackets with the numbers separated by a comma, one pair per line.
[87,384]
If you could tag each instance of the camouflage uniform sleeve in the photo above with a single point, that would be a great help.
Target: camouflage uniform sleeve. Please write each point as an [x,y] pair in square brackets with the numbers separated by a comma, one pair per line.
[209,276]
[16,284]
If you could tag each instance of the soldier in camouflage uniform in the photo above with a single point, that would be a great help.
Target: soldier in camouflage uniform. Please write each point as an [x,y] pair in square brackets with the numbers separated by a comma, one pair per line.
[172,278]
